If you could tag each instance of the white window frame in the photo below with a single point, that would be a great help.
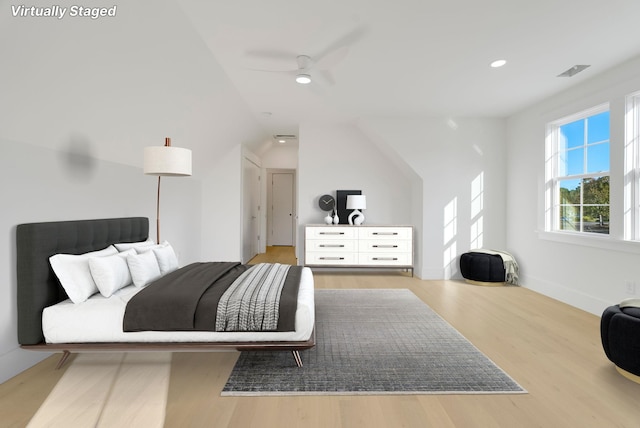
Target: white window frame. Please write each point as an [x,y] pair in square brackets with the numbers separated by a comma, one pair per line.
[632,168]
[552,178]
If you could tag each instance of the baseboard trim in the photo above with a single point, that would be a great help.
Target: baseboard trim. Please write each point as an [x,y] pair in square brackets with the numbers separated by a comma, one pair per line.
[18,360]
[563,294]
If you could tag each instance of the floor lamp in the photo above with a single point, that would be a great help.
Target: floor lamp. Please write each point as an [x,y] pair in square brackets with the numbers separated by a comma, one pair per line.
[168,161]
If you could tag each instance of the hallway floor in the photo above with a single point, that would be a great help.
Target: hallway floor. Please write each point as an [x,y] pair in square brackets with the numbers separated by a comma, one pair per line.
[279,254]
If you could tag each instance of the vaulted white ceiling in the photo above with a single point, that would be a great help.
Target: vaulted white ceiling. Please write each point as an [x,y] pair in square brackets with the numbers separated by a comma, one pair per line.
[411,57]
[186,68]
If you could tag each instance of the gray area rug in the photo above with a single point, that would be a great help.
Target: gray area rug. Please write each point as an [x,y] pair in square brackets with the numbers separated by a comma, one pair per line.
[373,342]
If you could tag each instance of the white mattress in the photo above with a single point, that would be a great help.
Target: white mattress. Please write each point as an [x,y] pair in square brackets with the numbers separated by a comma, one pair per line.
[99,319]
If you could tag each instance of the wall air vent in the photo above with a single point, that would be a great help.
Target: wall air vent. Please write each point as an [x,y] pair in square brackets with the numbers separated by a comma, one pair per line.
[573,71]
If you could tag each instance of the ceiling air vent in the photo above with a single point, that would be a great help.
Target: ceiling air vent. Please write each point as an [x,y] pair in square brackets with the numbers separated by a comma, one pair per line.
[573,71]
[285,138]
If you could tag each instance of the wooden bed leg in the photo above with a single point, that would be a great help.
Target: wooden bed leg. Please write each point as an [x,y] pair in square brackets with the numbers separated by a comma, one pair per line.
[296,356]
[63,359]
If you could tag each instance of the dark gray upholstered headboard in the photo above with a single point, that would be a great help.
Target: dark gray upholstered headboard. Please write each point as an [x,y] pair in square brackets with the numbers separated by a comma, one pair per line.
[38,287]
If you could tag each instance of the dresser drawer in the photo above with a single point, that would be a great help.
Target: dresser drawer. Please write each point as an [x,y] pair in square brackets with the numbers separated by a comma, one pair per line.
[385,233]
[329,232]
[359,246]
[385,259]
[384,246]
[331,258]
[331,245]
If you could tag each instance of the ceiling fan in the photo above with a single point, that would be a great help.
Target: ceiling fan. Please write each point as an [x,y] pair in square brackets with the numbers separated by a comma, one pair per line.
[303,75]
[305,68]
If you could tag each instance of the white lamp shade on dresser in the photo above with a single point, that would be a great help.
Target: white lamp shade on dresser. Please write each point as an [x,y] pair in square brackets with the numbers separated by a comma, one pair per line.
[167,161]
[356,202]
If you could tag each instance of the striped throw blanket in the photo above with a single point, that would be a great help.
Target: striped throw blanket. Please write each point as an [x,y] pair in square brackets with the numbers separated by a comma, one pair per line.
[252,302]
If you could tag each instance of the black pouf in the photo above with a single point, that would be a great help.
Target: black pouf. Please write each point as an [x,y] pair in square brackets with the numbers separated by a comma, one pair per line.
[482,267]
[620,332]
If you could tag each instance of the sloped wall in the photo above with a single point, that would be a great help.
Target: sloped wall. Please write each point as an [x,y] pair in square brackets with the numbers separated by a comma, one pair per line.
[461,163]
[80,100]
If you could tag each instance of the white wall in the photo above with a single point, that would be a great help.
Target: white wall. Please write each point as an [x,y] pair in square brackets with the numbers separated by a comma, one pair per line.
[221,208]
[80,100]
[280,156]
[340,157]
[449,156]
[589,274]
[39,184]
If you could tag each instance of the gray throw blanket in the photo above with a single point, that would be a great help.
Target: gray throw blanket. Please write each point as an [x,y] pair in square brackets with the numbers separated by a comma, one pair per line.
[252,302]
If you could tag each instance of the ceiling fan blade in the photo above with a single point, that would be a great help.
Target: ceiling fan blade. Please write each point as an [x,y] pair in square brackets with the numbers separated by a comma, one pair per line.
[270,60]
[324,77]
[332,58]
[339,48]
[263,70]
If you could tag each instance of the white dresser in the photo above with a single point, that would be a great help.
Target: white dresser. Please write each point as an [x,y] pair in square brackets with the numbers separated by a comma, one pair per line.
[359,246]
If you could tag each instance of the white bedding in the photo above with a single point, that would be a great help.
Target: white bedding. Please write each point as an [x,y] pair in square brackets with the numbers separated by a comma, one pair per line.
[99,319]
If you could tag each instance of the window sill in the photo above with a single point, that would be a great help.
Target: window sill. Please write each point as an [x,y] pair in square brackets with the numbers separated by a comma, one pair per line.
[606,242]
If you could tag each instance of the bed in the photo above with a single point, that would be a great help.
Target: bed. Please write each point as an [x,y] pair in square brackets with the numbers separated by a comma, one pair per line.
[49,321]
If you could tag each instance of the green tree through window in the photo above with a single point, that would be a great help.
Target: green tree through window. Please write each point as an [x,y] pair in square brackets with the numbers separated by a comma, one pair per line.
[581,172]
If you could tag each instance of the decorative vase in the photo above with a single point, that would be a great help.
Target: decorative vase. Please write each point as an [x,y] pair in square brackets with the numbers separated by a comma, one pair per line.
[336,219]
[328,219]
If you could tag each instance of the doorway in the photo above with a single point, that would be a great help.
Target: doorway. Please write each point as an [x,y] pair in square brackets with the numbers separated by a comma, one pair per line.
[282,216]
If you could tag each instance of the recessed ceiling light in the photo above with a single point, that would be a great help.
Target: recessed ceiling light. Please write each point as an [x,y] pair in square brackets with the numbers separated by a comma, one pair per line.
[303,79]
[282,141]
[498,63]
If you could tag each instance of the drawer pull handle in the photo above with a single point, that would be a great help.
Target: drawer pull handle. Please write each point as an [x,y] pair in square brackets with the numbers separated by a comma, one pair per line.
[331,233]
[385,246]
[331,258]
[385,233]
[331,245]
[385,258]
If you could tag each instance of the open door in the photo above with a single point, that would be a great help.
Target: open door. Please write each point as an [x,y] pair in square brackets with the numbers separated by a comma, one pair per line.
[251,210]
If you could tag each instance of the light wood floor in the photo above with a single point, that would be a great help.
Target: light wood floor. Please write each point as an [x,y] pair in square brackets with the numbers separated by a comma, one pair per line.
[551,349]
[279,254]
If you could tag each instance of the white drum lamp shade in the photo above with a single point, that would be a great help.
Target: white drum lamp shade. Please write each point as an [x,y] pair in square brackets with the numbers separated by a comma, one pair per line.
[166,161]
[356,203]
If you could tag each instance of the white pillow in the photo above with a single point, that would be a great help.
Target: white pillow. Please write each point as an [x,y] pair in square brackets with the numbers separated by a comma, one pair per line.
[124,246]
[167,259]
[75,275]
[111,273]
[144,268]
[144,248]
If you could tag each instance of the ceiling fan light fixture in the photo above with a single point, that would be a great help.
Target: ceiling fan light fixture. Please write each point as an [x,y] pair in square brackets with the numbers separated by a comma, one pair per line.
[303,79]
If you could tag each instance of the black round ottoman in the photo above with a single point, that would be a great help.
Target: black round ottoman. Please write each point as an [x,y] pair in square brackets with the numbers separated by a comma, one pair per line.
[482,268]
[620,332]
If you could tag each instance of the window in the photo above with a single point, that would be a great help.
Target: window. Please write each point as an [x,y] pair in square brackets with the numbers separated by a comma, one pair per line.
[577,173]
[632,169]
